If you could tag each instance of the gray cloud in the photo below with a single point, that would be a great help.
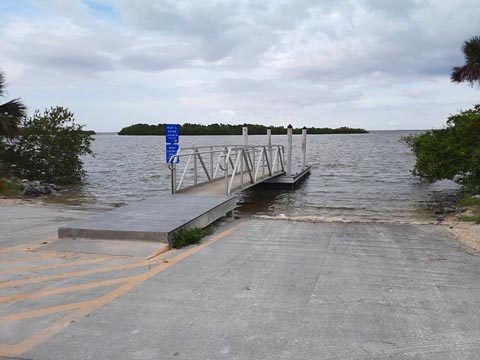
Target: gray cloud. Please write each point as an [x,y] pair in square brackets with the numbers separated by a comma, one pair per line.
[60,47]
[327,41]
[158,58]
[272,57]
[394,8]
[230,28]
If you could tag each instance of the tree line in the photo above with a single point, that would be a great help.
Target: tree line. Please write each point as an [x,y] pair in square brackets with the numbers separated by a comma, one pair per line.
[226,129]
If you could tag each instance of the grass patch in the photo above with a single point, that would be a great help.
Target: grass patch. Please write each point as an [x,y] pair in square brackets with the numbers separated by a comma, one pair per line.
[470,201]
[468,218]
[189,237]
[11,187]
[473,205]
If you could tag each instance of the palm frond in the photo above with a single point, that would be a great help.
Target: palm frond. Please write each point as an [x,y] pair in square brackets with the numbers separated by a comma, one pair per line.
[11,114]
[471,50]
[470,72]
[457,74]
[13,108]
[2,84]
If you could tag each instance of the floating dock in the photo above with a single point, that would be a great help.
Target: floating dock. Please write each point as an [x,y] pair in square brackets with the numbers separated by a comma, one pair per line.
[292,179]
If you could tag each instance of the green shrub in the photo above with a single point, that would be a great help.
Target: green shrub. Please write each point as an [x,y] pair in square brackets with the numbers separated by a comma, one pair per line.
[189,237]
[48,148]
[474,205]
[451,153]
[11,187]
[470,201]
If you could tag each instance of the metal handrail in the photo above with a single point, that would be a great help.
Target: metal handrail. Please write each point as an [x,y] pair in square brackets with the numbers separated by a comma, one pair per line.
[235,147]
[227,146]
[233,161]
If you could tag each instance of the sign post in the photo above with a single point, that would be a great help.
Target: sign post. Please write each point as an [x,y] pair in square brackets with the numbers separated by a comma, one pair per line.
[171,140]
[171,149]
[171,133]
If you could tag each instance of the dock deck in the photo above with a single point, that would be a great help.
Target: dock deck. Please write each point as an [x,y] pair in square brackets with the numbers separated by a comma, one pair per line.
[154,219]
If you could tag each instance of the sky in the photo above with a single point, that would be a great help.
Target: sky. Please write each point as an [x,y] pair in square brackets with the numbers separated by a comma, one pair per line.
[374,64]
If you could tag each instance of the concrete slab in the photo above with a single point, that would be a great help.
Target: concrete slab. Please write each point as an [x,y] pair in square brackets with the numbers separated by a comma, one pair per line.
[295,290]
[154,219]
[25,223]
[140,249]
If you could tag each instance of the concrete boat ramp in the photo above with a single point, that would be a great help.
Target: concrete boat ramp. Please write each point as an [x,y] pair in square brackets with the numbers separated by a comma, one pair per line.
[255,289]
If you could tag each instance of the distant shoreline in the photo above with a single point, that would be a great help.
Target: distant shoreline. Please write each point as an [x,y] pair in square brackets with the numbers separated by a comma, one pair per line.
[225,129]
[367,132]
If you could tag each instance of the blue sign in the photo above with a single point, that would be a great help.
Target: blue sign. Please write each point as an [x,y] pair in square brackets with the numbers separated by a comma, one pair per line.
[171,150]
[171,133]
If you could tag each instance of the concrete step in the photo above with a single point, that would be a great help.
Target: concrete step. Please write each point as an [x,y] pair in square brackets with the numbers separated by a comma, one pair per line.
[153,219]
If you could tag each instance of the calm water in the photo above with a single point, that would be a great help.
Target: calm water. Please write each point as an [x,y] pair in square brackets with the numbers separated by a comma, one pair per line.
[354,177]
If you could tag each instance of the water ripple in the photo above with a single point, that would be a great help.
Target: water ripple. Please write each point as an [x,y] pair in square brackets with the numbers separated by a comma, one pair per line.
[356,177]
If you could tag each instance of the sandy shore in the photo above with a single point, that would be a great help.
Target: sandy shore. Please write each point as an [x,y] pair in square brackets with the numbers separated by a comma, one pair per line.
[11,202]
[467,233]
[41,200]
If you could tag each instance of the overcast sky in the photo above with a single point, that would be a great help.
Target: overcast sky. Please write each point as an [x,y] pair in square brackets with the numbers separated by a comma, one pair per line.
[376,64]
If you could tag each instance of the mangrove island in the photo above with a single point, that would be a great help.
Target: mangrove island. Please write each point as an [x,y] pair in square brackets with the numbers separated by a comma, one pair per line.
[226,129]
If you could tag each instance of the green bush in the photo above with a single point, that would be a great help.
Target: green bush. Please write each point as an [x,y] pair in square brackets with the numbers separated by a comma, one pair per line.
[474,205]
[451,153]
[49,147]
[11,187]
[189,237]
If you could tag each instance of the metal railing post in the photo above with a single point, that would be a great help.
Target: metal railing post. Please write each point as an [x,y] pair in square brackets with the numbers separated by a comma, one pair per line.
[211,162]
[225,169]
[173,170]
[241,166]
[281,166]
[262,156]
[304,147]
[245,143]
[289,149]
[253,161]
[269,145]
[195,166]
[245,135]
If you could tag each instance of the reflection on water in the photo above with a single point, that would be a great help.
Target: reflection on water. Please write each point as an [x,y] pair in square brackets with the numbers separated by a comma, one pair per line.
[361,176]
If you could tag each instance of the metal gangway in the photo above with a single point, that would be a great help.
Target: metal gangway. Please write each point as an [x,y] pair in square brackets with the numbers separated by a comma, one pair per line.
[224,169]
